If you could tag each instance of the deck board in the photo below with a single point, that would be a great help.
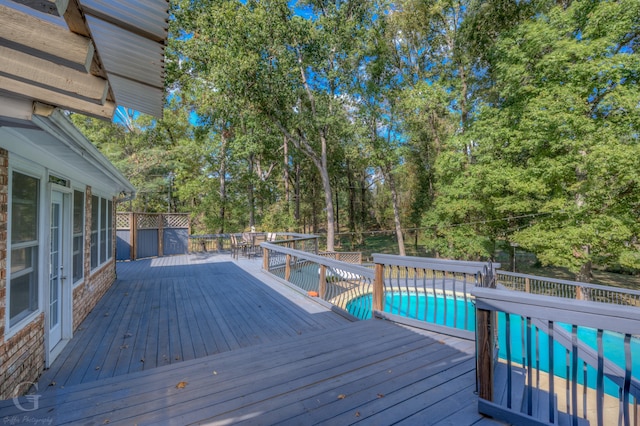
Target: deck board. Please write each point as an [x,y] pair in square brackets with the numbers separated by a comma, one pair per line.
[250,351]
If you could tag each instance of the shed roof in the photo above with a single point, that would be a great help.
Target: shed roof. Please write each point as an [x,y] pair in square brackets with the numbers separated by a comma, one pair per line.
[87,56]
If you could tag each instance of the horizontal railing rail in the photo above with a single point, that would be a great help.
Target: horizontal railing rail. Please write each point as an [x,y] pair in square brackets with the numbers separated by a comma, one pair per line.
[431,293]
[568,289]
[344,285]
[578,358]
[208,242]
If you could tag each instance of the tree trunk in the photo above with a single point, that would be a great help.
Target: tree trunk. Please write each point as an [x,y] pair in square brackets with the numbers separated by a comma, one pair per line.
[250,194]
[296,213]
[223,181]
[585,274]
[396,211]
[285,178]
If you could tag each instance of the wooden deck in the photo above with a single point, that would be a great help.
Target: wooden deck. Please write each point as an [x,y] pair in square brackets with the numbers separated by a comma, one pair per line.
[204,339]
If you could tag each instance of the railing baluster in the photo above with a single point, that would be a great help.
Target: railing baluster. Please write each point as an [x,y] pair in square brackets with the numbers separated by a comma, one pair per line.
[574,374]
[529,372]
[466,302]
[552,393]
[627,378]
[600,380]
[426,296]
[415,286]
[507,330]
[435,299]
[444,296]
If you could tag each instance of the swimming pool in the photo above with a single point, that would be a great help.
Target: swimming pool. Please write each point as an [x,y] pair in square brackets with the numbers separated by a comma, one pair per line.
[459,313]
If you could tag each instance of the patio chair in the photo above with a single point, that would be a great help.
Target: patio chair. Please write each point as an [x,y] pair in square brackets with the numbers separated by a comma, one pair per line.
[237,246]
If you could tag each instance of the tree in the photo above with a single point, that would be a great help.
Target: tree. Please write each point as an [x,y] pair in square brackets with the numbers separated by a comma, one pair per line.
[558,147]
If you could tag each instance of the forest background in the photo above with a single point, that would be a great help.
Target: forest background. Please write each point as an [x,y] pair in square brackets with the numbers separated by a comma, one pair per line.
[469,128]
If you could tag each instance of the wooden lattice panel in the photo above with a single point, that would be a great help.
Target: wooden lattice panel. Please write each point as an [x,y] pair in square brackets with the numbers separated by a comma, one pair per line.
[148,221]
[175,220]
[123,221]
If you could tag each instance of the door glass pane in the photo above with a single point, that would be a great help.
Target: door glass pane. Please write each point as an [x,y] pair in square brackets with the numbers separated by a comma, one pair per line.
[54,280]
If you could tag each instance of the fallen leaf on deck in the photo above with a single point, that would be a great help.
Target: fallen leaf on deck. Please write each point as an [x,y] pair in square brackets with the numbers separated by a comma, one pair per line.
[106,422]
[142,360]
[441,342]
[98,368]
[357,413]
[342,396]
[380,395]
[52,384]
[215,372]
[124,347]
[181,385]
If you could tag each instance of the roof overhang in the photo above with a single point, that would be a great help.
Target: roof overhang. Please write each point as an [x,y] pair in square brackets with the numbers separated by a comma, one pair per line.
[53,141]
[87,56]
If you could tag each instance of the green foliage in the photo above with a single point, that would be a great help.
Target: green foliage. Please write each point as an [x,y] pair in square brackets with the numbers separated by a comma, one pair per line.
[558,143]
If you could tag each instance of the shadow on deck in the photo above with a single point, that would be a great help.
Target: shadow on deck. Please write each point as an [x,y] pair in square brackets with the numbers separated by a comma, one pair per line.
[204,339]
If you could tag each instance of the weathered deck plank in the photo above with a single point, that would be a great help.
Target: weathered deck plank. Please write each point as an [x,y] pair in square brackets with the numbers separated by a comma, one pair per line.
[190,310]
[370,371]
[248,351]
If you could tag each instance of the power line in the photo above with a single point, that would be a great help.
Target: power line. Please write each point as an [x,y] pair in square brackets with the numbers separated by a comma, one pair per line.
[453,225]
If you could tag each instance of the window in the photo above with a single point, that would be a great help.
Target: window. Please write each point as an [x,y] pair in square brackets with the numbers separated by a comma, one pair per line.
[78,236]
[95,220]
[101,231]
[23,289]
[110,230]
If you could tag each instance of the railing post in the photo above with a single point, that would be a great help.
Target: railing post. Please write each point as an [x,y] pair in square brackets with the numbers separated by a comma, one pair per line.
[265,258]
[378,288]
[134,236]
[527,285]
[579,293]
[287,268]
[322,284]
[316,245]
[160,235]
[484,341]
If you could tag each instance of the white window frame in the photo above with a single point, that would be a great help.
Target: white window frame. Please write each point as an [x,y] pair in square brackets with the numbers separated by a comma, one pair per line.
[99,242]
[29,169]
[83,190]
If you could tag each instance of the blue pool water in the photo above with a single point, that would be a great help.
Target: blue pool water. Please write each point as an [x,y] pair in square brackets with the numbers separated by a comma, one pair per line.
[460,313]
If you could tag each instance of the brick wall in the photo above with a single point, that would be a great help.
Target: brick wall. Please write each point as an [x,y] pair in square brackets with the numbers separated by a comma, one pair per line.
[22,355]
[87,294]
[22,358]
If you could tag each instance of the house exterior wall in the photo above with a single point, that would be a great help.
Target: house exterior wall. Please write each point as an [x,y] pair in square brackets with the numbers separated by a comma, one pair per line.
[22,354]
